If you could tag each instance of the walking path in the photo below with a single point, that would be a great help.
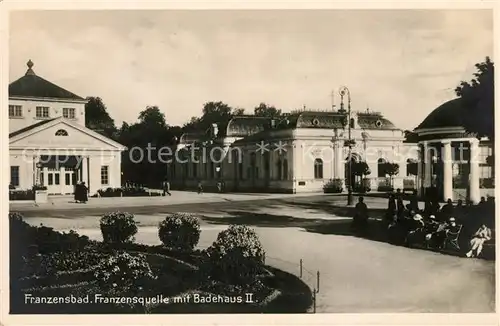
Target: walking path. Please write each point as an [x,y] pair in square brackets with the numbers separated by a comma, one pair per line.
[178,197]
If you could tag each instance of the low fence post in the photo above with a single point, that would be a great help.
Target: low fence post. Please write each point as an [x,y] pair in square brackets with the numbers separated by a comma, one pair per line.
[300,267]
[317,280]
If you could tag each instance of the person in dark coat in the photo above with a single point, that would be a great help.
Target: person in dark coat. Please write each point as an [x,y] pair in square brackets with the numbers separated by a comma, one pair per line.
[391,209]
[84,193]
[399,203]
[78,192]
[360,220]
[448,209]
[166,188]
[414,201]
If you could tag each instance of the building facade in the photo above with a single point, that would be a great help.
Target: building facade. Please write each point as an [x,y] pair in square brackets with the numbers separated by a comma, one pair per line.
[300,152]
[457,164]
[49,144]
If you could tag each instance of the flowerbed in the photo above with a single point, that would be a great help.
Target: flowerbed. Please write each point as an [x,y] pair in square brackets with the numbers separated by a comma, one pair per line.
[75,268]
[126,192]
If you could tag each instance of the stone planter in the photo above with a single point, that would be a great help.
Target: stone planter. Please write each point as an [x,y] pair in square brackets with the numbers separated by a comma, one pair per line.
[41,196]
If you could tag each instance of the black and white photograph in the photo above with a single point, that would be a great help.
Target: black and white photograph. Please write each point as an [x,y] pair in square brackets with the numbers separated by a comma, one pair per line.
[322,161]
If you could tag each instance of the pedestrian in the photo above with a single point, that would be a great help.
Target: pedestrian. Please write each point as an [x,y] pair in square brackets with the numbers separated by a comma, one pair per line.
[482,235]
[399,203]
[219,187]
[84,193]
[447,210]
[166,187]
[78,192]
[414,201]
[200,188]
[360,220]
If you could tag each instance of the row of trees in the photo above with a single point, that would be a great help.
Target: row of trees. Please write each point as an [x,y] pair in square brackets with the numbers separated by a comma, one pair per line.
[152,129]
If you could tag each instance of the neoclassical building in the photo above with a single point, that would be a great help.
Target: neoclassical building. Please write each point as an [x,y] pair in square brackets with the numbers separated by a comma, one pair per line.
[49,144]
[299,152]
[455,163]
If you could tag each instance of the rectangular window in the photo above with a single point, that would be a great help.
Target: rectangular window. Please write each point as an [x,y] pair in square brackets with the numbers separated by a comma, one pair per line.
[50,182]
[15,111]
[485,171]
[42,112]
[56,178]
[104,175]
[69,113]
[67,179]
[484,152]
[14,175]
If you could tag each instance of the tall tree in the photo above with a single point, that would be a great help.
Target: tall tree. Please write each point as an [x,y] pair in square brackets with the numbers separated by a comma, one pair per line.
[152,117]
[98,119]
[478,100]
[264,110]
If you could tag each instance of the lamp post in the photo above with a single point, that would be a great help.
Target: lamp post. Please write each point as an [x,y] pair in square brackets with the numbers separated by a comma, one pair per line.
[343,92]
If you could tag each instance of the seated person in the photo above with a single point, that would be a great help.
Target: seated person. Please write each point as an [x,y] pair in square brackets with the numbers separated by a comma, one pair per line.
[482,235]
[417,222]
[443,231]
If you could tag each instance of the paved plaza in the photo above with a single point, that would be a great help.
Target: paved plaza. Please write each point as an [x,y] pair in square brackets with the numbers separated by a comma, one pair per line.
[356,275]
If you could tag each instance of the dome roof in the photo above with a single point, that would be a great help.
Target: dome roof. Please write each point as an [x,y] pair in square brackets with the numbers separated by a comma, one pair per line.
[448,114]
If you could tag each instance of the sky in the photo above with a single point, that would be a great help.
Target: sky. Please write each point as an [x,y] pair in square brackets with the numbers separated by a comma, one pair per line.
[402,63]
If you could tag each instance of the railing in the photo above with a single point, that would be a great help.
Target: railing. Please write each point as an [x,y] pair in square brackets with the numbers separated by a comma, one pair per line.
[309,277]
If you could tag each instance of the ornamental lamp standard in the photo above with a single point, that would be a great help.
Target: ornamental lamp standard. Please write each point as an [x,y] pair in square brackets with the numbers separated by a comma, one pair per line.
[347,121]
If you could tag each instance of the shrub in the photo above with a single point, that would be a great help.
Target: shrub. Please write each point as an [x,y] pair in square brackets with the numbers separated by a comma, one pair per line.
[236,257]
[121,272]
[118,227]
[21,195]
[180,231]
[333,186]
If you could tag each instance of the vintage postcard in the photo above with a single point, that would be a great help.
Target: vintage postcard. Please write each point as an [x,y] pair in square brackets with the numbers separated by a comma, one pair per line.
[172,162]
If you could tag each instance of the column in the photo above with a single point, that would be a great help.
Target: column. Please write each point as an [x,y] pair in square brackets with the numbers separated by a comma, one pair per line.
[340,157]
[420,170]
[474,175]
[447,171]
[62,179]
[45,176]
[85,167]
[337,160]
[427,177]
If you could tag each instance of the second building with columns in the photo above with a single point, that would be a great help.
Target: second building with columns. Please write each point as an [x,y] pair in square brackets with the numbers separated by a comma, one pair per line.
[455,164]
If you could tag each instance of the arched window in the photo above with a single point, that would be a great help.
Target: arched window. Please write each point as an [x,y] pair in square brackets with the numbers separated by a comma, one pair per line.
[318,168]
[381,167]
[61,132]
[279,169]
[285,169]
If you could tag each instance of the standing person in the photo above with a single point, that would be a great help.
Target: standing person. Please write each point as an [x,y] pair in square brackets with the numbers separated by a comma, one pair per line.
[361,214]
[414,201]
[78,192]
[482,235]
[166,187]
[219,187]
[200,188]
[399,203]
[447,210]
[391,209]
[84,193]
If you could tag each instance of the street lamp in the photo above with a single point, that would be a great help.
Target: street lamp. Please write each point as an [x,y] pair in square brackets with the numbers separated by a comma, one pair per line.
[343,92]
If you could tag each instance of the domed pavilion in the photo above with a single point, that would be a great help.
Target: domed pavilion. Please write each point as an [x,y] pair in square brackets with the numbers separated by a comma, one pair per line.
[453,163]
